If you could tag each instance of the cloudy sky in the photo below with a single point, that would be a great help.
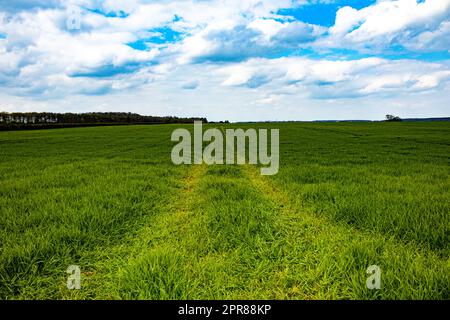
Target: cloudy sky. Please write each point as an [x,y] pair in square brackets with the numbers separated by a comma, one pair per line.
[227,59]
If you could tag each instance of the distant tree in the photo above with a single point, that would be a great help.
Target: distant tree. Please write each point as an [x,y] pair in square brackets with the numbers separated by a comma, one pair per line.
[391,118]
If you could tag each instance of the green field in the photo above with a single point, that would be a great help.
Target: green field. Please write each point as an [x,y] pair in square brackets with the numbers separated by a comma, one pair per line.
[109,199]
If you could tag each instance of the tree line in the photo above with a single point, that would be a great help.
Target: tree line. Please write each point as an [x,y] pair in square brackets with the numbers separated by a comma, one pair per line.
[30,120]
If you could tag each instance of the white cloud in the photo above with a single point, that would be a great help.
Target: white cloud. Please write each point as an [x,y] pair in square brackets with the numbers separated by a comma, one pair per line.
[231,41]
[387,21]
[268,27]
[428,41]
[338,79]
[242,53]
[39,56]
[39,48]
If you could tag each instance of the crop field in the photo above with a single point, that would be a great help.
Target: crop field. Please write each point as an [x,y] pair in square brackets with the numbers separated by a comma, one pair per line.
[110,200]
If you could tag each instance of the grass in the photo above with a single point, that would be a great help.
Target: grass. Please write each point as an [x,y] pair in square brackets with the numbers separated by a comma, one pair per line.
[109,200]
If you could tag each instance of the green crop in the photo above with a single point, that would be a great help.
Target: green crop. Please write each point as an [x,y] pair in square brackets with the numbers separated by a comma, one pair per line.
[109,199]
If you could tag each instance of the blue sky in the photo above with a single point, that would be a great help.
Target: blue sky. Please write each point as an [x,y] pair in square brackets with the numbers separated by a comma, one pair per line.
[246,60]
[322,13]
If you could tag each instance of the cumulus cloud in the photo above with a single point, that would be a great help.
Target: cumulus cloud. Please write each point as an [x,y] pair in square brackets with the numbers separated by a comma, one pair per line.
[387,22]
[239,50]
[36,46]
[429,41]
[338,79]
[40,55]
[260,38]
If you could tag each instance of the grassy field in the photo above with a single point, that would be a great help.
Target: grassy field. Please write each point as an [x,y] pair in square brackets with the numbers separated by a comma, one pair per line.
[109,199]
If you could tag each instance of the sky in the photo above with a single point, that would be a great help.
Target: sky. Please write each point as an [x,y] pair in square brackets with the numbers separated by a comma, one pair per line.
[236,60]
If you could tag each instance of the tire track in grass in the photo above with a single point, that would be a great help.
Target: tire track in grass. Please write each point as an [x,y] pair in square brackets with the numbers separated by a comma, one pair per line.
[319,259]
[212,245]
[236,224]
[231,234]
[104,280]
[245,239]
[157,267]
